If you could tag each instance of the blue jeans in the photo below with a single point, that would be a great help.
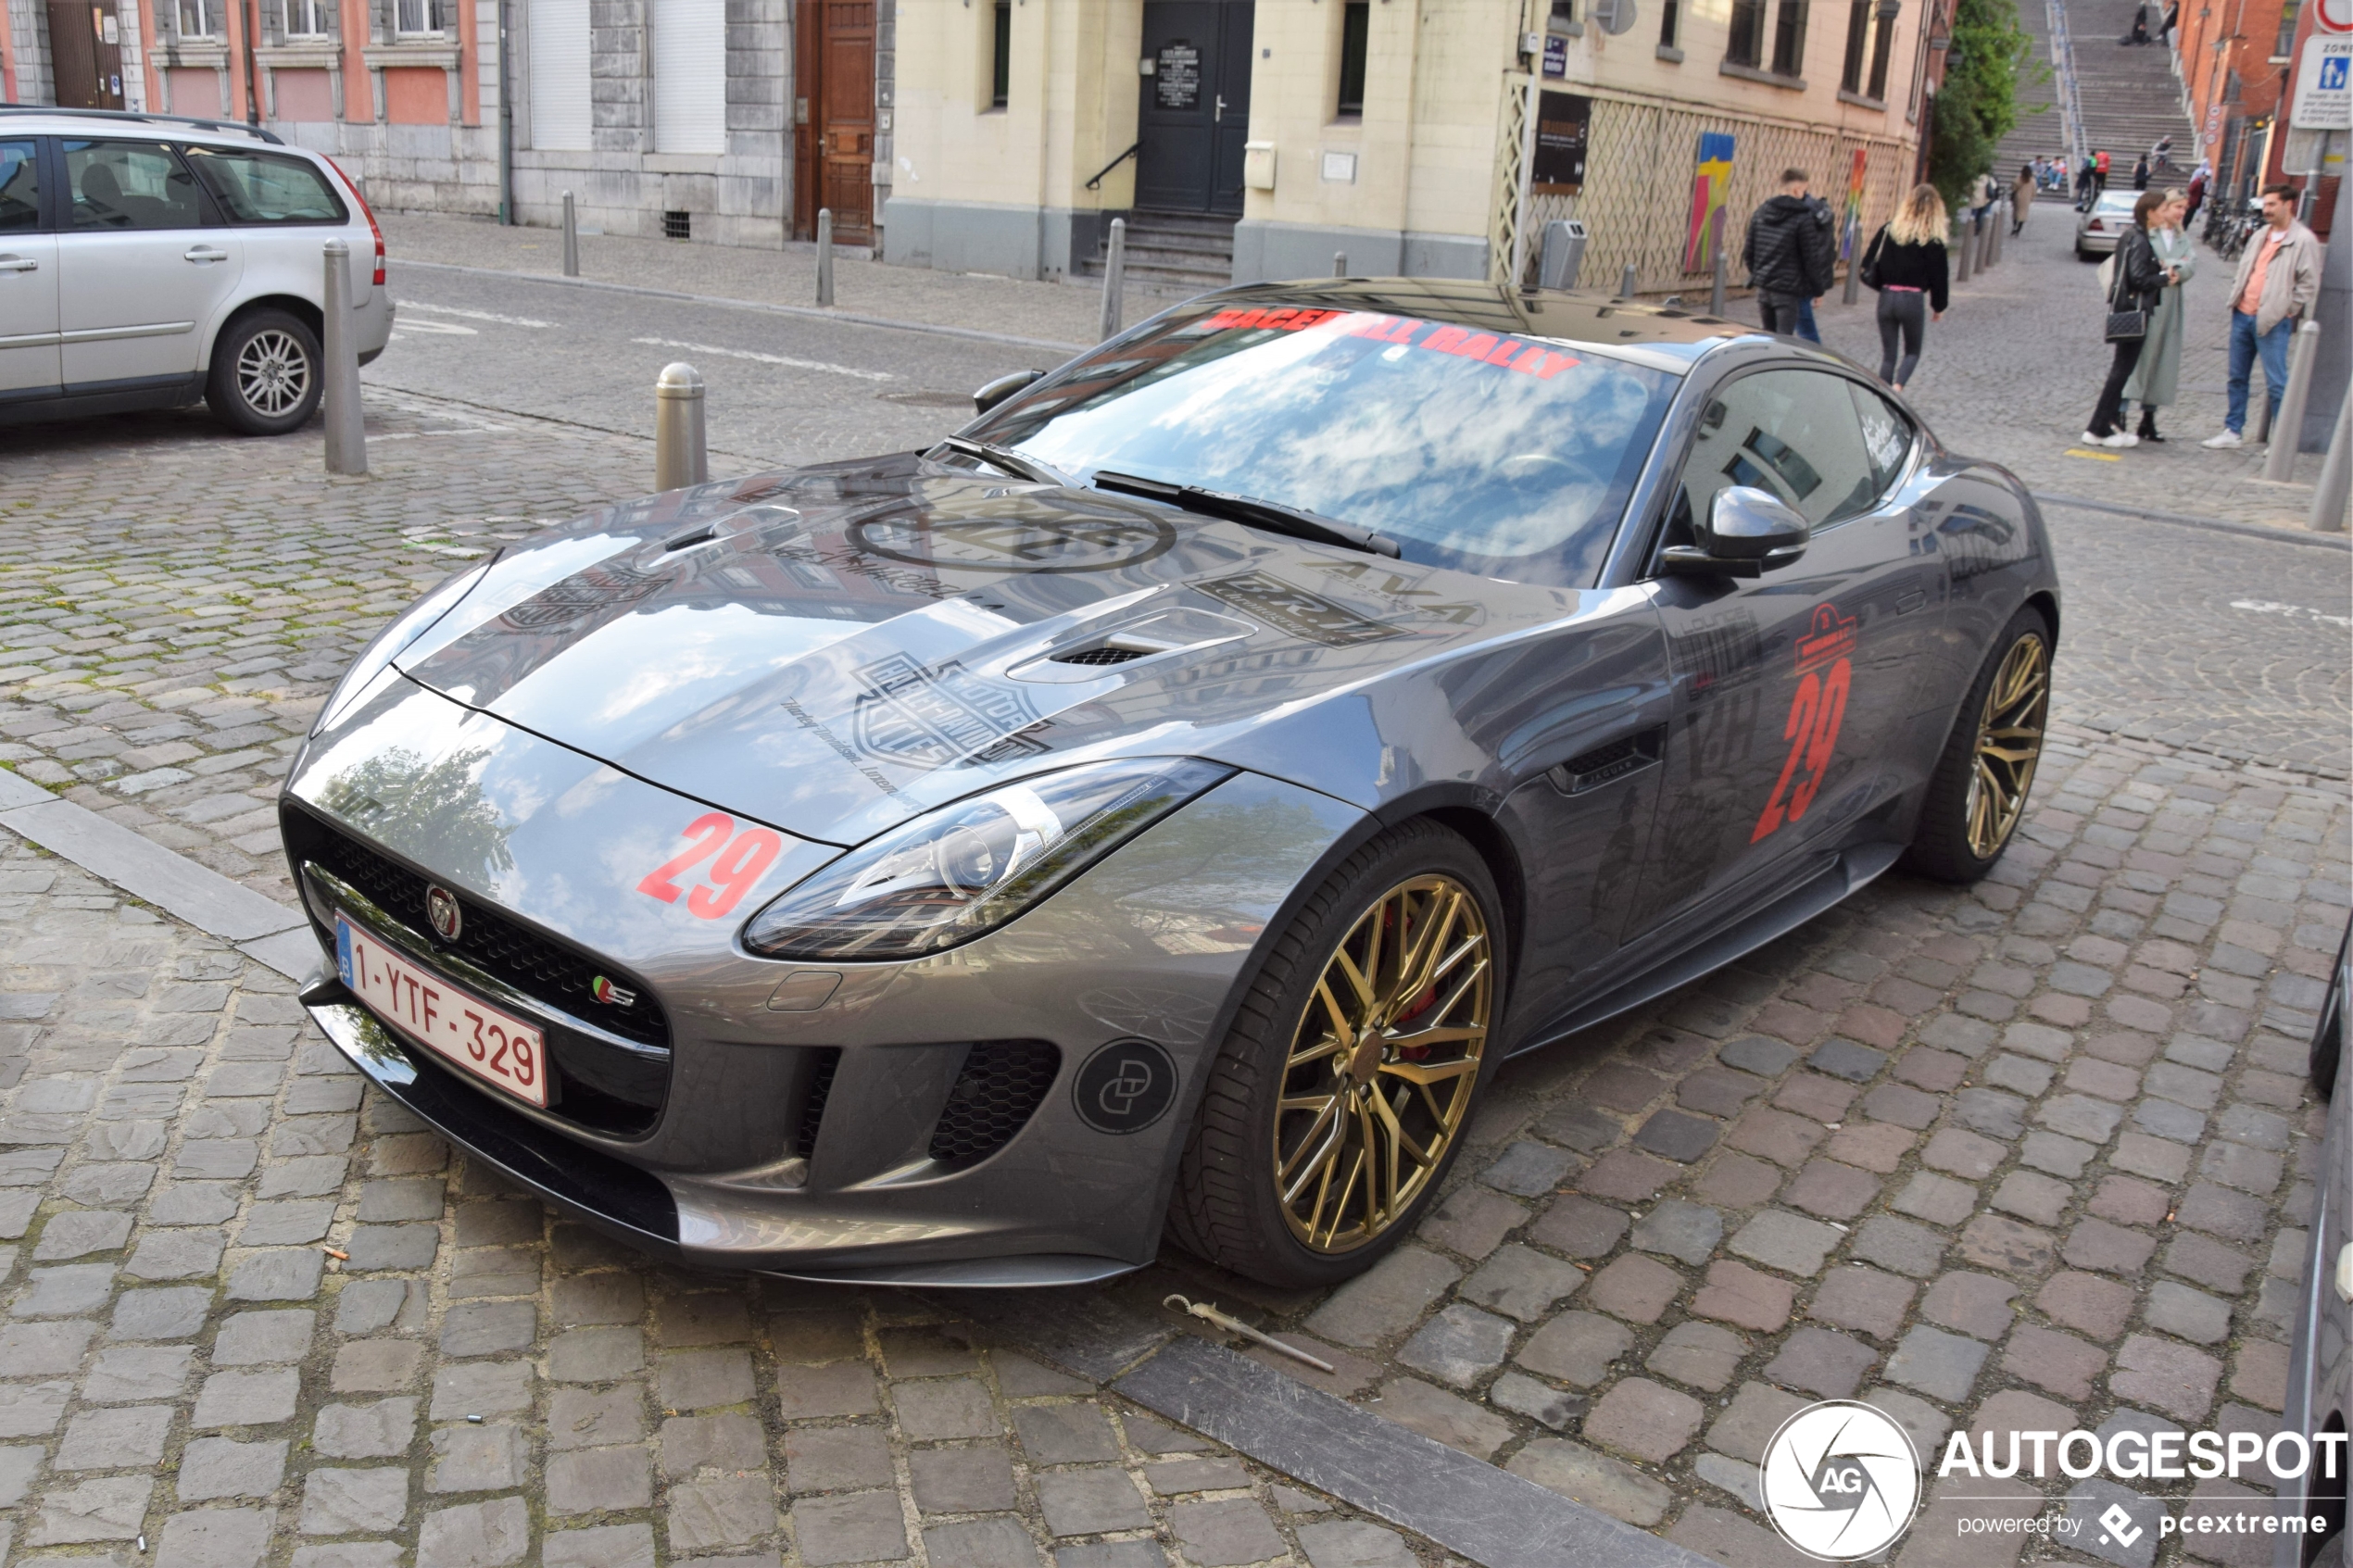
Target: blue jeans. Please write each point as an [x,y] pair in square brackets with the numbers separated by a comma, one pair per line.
[2245,345]
[1805,328]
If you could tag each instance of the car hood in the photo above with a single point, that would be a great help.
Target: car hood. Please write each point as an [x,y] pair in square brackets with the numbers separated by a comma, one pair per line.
[833,650]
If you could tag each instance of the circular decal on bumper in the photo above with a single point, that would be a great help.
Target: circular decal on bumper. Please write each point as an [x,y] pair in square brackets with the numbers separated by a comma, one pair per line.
[1124,1087]
[1016,544]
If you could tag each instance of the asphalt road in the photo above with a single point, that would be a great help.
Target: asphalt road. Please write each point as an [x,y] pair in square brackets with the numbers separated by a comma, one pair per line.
[2187,635]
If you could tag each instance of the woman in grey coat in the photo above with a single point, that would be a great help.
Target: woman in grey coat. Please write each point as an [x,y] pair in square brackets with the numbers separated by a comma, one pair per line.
[2156,380]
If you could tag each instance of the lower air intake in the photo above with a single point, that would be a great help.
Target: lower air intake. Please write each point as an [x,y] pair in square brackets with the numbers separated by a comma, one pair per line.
[1002,1086]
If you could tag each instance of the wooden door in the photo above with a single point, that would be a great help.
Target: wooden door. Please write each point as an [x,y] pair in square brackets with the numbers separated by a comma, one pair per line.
[85,54]
[833,141]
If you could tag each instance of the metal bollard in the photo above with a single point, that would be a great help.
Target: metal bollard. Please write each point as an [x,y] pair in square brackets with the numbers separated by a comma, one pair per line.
[2302,350]
[1115,279]
[680,457]
[1984,241]
[824,255]
[339,377]
[572,238]
[1627,281]
[2335,492]
[1853,289]
[1963,243]
[1716,283]
[1340,264]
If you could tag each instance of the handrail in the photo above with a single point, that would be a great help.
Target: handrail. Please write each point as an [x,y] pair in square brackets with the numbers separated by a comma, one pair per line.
[1096,183]
[2070,101]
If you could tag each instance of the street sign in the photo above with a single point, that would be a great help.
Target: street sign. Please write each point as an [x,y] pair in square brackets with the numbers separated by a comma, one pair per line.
[2325,85]
[2334,16]
[1613,16]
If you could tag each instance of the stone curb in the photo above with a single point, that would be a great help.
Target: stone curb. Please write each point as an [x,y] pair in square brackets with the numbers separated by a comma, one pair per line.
[2220,525]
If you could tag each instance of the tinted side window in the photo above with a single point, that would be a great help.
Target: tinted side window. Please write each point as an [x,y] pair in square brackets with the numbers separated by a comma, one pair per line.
[130,185]
[267,187]
[20,187]
[1794,433]
[1887,435]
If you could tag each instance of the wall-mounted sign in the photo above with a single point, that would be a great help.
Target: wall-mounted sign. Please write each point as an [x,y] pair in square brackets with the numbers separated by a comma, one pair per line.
[1563,123]
[2325,85]
[1339,169]
[1177,76]
[1555,55]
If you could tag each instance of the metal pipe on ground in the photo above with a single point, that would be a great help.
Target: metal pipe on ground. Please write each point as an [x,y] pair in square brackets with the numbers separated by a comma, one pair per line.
[339,376]
[572,238]
[824,255]
[2302,350]
[681,456]
[1114,279]
[2333,494]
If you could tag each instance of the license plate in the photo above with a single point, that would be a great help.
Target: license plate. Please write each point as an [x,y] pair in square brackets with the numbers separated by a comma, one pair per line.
[490,1043]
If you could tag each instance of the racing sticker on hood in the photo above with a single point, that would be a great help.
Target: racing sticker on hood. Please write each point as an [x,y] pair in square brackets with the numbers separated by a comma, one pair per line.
[1023,544]
[1296,611]
[926,717]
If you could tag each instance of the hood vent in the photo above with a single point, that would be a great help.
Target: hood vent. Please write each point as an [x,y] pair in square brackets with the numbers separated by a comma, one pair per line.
[1102,655]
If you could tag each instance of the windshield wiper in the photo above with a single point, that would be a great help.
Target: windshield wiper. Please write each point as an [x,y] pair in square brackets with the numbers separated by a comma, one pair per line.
[1251,512]
[1011,462]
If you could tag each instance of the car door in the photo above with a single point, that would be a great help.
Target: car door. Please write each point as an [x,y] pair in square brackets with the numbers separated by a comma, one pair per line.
[28,277]
[1790,687]
[145,264]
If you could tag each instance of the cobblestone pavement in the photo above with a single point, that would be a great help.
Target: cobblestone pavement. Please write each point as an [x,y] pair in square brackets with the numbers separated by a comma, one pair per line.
[2031,1156]
[253,1314]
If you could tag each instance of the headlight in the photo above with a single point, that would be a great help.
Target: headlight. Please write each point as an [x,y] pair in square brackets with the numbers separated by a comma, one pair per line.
[412,623]
[954,873]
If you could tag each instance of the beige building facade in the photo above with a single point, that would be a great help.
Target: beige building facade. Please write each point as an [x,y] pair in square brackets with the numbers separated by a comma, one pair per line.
[1425,137]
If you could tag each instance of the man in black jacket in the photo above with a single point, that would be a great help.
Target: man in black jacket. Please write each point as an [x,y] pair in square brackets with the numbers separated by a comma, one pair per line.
[1791,253]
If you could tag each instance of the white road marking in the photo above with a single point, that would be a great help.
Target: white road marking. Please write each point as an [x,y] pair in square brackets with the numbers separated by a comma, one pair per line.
[2297,612]
[785,361]
[435,329]
[477,315]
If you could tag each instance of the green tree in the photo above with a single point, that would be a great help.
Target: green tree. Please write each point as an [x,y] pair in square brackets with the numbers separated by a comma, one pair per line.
[1979,105]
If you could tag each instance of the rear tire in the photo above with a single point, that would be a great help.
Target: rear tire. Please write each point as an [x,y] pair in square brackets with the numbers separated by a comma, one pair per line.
[266,373]
[1295,1110]
[1977,796]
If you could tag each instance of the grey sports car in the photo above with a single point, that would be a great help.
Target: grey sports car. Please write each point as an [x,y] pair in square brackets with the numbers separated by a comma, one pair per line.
[1167,801]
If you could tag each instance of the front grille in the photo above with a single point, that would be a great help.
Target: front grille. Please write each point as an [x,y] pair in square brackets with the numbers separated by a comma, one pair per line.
[813,1107]
[1002,1086]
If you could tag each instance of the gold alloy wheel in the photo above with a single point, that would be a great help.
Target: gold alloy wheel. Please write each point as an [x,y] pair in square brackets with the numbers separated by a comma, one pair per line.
[1382,1063]
[2010,743]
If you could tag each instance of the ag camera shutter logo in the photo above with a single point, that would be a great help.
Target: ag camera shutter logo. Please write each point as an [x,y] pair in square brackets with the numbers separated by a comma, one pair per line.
[1841,1480]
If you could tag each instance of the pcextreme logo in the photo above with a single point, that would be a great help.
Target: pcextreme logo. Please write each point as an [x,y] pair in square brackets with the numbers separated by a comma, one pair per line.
[1840,1481]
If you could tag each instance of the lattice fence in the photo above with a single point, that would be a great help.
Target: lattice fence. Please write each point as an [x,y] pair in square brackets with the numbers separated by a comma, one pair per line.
[1637,197]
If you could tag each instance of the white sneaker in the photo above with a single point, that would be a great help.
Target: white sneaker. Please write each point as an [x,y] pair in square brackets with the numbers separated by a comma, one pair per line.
[2091,440]
[2224,442]
[2124,438]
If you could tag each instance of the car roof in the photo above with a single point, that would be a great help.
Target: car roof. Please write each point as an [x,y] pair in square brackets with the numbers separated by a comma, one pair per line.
[1679,335]
[37,118]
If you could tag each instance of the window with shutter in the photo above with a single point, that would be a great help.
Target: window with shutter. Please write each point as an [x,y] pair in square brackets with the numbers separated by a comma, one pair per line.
[690,76]
[559,119]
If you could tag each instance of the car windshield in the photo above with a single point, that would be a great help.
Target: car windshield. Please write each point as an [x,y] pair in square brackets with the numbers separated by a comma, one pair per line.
[1506,456]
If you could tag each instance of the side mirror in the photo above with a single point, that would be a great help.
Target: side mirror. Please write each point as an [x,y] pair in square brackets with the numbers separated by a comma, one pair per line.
[996,391]
[1749,532]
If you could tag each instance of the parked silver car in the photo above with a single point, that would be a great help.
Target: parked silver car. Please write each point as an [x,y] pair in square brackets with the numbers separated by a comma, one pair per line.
[2319,1381]
[147,261]
[2097,231]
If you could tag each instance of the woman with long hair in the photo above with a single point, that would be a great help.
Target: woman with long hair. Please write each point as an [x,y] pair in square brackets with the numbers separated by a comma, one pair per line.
[2141,281]
[1906,264]
[2157,378]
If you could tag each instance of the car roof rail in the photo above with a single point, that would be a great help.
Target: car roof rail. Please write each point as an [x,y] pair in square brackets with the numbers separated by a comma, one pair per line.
[239,126]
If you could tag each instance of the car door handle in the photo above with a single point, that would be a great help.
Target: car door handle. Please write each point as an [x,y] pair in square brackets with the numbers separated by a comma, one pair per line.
[1911,601]
[201,254]
[18,264]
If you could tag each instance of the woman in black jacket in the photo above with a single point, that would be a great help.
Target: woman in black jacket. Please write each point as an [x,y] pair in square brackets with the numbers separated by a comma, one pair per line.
[1906,264]
[2140,279]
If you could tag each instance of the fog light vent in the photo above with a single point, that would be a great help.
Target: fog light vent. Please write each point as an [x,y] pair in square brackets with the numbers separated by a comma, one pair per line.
[812,1105]
[1002,1086]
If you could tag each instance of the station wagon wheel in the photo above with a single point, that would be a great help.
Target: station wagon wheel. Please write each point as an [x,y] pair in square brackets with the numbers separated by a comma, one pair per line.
[266,368]
[1341,1095]
[1977,796]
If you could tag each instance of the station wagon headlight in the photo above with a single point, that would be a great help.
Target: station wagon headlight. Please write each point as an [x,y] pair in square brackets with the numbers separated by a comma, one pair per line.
[963,870]
[410,624]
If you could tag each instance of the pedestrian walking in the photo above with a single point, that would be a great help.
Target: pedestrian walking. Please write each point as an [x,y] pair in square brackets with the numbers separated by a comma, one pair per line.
[2021,199]
[1791,252]
[2099,174]
[2278,277]
[2156,379]
[2197,194]
[2172,21]
[2138,282]
[2141,173]
[1907,265]
[2084,178]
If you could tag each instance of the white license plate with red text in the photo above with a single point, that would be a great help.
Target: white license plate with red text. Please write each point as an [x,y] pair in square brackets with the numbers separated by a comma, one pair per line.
[490,1043]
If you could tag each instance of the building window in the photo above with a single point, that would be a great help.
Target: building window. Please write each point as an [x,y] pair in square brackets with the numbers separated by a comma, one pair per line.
[1669,21]
[1789,39]
[1882,49]
[417,18]
[1858,38]
[1355,21]
[194,22]
[1001,69]
[2286,44]
[1746,46]
[306,18]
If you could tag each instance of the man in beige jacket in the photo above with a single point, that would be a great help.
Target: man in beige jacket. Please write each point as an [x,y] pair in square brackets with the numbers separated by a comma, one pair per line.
[2279,277]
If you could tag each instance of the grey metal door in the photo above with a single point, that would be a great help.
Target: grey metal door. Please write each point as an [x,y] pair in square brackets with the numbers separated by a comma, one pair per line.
[1195,114]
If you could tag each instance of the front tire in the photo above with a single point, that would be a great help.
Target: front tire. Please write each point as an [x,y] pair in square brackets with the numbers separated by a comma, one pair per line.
[266,374]
[1346,1086]
[1977,796]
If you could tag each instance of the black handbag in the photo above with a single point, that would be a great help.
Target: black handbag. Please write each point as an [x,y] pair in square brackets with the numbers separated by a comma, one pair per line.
[2124,326]
[1870,273]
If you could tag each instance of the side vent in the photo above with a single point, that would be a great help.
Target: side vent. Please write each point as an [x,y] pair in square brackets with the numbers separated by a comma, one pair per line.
[1002,1086]
[812,1101]
[1608,764]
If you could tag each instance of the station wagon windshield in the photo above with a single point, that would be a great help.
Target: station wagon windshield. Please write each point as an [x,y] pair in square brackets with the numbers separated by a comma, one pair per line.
[1502,454]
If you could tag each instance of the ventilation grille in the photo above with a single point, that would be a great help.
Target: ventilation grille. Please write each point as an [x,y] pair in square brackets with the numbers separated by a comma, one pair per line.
[677,226]
[1002,1086]
[812,1105]
[1100,655]
[1607,764]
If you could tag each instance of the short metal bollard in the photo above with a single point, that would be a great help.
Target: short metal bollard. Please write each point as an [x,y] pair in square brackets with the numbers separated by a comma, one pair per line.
[1627,281]
[680,457]
[2333,494]
[339,377]
[1853,289]
[1114,279]
[1340,264]
[1964,241]
[1716,282]
[2279,462]
[824,255]
[571,238]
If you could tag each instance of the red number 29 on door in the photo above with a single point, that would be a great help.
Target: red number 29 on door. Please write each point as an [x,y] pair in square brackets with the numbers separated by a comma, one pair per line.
[736,861]
[1816,711]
